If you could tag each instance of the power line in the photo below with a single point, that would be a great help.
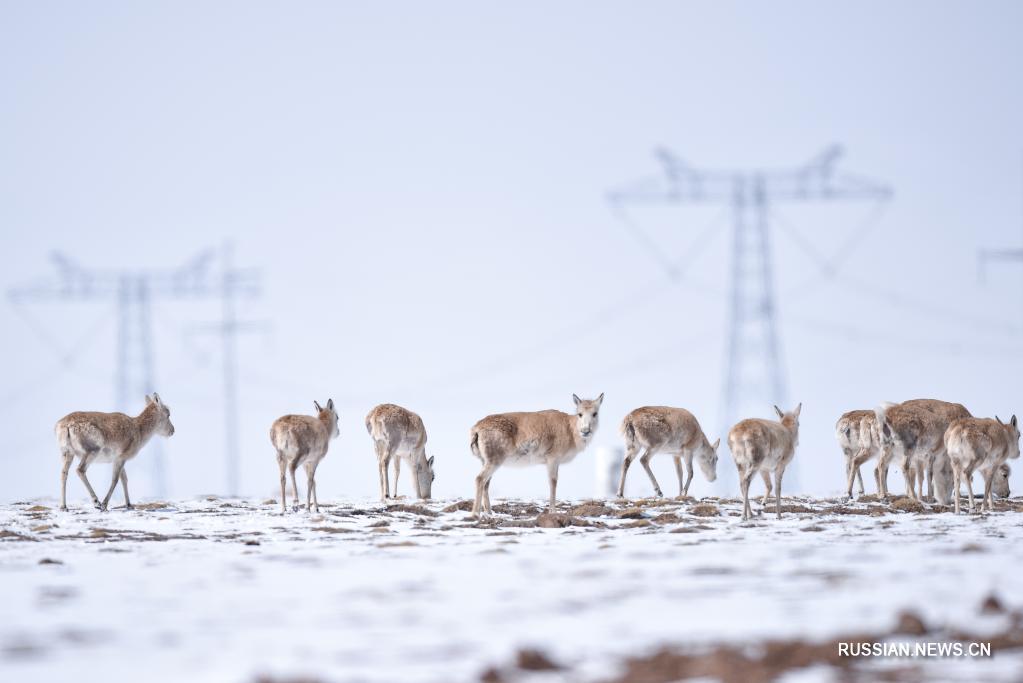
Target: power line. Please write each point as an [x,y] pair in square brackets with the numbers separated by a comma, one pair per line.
[754,374]
[884,295]
[134,292]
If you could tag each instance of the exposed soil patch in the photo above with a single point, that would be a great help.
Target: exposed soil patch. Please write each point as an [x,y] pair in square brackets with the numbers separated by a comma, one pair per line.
[907,504]
[413,509]
[705,510]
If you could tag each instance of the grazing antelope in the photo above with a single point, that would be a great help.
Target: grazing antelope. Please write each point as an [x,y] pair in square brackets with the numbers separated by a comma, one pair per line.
[547,437]
[858,436]
[303,440]
[399,434]
[980,444]
[913,433]
[108,437]
[943,478]
[671,430]
[1000,487]
[764,446]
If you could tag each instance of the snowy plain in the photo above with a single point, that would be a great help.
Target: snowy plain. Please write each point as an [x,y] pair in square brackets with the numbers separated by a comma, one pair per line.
[229,590]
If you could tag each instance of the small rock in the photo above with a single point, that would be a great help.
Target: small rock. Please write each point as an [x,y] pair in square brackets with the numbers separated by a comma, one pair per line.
[910,624]
[992,605]
[50,560]
[535,660]
[491,675]
[553,520]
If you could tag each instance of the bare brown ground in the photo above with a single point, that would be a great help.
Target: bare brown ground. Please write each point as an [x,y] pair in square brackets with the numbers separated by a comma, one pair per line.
[768,660]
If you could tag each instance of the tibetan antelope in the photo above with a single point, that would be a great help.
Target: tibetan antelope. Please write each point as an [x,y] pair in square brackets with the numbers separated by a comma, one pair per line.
[765,446]
[857,435]
[1000,487]
[303,440]
[656,429]
[912,434]
[547,437]
[980,444]
[108,437]
[399,434]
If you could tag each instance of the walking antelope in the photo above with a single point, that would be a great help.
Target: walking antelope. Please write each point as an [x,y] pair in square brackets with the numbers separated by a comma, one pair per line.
[547,437]
[912,433]
[303,440]
[980,444]
[656,429]
[858,436]
[399,434]
[108,437]
[765,446]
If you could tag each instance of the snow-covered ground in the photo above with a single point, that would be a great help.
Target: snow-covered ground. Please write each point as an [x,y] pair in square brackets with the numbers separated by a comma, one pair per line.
[229,590]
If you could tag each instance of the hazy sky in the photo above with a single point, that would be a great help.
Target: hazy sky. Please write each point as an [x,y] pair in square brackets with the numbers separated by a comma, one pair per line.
[422,186]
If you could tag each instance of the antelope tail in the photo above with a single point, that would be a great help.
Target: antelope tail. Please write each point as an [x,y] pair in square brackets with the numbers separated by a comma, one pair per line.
[628,430]
[474,444]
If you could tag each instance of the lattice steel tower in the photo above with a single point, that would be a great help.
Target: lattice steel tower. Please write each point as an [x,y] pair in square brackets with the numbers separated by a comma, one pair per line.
[754,367]
[134,291]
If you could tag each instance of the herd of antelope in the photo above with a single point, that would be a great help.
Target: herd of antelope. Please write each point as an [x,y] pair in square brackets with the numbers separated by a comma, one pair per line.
[926,439]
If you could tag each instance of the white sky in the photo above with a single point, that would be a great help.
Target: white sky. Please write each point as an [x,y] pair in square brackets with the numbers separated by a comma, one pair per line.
[422,185]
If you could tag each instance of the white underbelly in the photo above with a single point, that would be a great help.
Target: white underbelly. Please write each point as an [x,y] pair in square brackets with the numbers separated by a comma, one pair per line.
[524,460]
[102,456]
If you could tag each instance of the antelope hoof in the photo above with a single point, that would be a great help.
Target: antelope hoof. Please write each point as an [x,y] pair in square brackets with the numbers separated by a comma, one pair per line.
[129,506]
[63,508]
[658,492]
[98,505]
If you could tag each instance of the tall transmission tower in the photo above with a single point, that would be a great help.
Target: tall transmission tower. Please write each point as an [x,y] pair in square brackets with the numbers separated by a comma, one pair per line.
[134,292]
[754,369]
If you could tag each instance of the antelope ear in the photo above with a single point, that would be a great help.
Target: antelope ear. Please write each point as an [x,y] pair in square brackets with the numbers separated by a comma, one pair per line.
[778,410]
[149,399]
[600,399]
[576,399]
[716,444]
[156,398]
[318,408]
[330,404]
[429,460]
[1014,422]
[999,420]
[798,409]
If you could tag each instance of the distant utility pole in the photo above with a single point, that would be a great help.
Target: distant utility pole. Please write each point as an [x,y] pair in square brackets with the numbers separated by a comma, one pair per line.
[754,375]
[134,291]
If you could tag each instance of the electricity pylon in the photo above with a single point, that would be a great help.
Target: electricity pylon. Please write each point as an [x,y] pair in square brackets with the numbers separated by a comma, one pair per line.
[134,292]
[754,369]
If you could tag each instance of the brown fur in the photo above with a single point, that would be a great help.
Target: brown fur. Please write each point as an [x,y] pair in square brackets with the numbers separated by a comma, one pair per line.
[670,430]
[858,436]
[764,446]
[399,434]
[912,433]
[1001,484]
[980,444]
[548,437]
[108,437]
[303,440]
